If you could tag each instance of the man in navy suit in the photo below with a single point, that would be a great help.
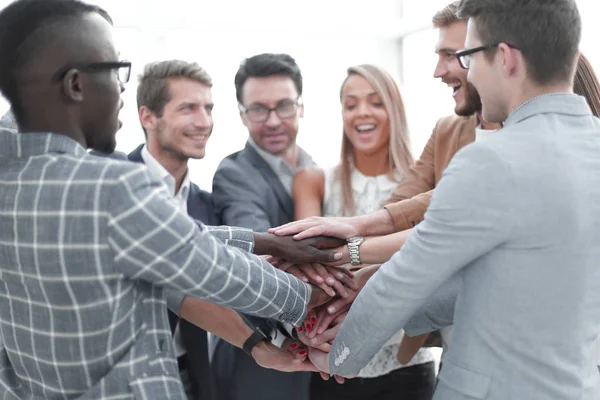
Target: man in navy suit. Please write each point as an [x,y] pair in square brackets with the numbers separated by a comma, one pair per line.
[175,106]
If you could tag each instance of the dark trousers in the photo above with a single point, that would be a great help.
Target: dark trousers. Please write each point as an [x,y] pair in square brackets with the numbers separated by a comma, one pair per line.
[410,383]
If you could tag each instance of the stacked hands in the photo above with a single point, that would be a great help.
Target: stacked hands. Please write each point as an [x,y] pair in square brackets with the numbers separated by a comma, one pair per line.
[334,289]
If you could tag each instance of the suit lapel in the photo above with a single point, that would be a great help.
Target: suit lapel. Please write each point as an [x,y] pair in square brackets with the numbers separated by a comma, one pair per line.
[136,155]
[284,199]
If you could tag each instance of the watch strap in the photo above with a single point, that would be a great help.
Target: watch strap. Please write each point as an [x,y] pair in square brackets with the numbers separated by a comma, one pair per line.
[257,336]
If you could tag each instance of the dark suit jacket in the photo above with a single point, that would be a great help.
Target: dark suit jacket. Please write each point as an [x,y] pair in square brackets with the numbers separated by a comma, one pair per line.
[248,194]
[200,207]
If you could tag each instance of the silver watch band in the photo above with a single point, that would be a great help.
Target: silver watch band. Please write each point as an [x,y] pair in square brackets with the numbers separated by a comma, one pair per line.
[354,249]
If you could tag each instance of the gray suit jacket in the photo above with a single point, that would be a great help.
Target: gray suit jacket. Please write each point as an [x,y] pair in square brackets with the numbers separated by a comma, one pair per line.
[87,247]
[247,191]
[516,218]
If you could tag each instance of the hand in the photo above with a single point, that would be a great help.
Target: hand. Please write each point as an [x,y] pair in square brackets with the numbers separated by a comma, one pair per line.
[297,251]
[340,305]
[269,356]
[317,298]
[339,227]
[320,360]
[333,280]
[324,340]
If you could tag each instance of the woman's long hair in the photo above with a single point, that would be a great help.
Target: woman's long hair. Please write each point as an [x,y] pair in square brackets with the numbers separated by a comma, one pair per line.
[586,84]
[400,157]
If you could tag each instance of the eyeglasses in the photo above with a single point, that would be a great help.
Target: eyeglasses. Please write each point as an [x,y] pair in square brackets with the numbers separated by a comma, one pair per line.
[122,69]
[465,56]
[284,110]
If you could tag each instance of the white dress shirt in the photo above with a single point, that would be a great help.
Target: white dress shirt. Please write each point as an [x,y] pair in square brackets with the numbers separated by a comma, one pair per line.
[180,198]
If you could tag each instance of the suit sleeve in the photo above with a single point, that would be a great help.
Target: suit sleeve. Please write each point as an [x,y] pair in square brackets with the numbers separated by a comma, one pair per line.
[152,240]
[240,238]
[438,311]
[469,216]
[237,199]
[410,199]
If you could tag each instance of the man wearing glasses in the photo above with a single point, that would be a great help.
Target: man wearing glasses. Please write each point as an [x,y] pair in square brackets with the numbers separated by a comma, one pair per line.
[516,219]
[252,189]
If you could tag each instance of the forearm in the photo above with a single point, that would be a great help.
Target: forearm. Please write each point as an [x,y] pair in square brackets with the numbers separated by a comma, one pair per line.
[218,320]
[374,224]
[379,249]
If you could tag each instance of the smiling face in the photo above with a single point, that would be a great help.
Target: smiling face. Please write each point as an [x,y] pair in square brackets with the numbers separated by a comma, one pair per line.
[366,121]
[276,134]
[186,122]
[451,39]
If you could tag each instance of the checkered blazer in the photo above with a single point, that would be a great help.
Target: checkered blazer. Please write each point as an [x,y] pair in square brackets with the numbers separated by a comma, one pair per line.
[87,245]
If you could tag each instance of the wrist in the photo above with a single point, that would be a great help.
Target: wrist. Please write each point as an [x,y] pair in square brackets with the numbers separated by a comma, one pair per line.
[259,348]
[375,224]
[263,243]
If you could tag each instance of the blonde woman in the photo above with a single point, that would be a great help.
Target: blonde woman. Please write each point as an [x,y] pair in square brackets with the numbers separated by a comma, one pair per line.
[375,156]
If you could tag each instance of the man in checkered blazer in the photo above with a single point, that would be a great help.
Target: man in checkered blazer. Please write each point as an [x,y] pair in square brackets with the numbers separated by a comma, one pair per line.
[88,244]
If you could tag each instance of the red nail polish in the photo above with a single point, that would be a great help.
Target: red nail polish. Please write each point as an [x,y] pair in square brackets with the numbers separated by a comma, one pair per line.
[300,329]
[303,352]
[293,346]
[313,320]
[309,327]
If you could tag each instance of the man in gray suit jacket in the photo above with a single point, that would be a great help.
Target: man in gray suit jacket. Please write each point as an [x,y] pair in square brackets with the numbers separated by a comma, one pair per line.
[514,225]
[252,189]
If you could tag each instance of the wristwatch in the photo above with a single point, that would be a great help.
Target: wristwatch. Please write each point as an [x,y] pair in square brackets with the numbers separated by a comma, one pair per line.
[353,248]
[257,336]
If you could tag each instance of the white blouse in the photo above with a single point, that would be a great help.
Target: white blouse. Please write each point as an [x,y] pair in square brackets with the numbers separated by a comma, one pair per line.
[369,193]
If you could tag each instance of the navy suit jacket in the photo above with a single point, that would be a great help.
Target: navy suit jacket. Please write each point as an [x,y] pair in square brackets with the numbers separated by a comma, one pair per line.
[200,207]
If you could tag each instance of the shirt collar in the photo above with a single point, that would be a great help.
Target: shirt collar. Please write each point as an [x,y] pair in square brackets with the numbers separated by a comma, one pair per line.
[161,173]
[277,162]
[383,181]
[20,145]
[558,103]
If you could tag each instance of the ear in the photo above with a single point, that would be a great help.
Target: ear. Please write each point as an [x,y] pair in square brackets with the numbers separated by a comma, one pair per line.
[72,85]
[511,58]
[301,110]
[147,118]
[244,120]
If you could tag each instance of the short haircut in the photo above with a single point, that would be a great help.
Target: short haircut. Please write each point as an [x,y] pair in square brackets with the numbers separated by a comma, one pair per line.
[447,15]
[264,65]
[153,89]
[547,32]
[26,28]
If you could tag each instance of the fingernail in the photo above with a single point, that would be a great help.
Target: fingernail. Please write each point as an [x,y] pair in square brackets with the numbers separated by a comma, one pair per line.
[340,275]
[294,345]
[337,256]
[303,352]
[330,281]
[305,279]
[309,327]
[319,279]
[331,309]
[300,329]
[313,341]
[313,320]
